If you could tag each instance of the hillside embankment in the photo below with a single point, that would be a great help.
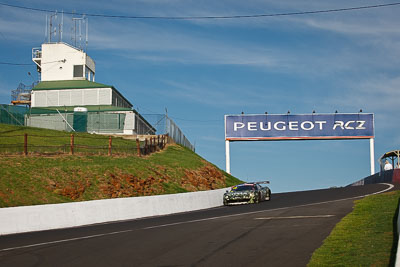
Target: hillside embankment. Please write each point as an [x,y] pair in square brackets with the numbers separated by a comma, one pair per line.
[58,178]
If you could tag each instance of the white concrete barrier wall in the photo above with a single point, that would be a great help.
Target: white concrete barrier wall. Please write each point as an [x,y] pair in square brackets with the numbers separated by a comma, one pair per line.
[55,216]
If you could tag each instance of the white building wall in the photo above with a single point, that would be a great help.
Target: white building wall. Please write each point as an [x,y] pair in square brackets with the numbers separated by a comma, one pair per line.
[90,64]
[76,97]
[90,97]
[50,121]
[39,99]
[64,98]
[58,60]
[129,124]
[72,97]
[105,96]
[52,98]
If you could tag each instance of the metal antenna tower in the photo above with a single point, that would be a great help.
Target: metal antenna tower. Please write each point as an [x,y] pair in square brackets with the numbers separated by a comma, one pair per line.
[80,32]
[54,27]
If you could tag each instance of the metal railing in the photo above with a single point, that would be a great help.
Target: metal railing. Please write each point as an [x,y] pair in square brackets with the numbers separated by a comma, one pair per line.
[165,125]
[36,52]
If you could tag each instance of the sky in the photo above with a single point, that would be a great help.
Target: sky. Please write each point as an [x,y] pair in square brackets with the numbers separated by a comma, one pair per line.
[203,69]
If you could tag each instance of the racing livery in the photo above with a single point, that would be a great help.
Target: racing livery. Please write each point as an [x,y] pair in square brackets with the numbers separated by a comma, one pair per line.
[247,193]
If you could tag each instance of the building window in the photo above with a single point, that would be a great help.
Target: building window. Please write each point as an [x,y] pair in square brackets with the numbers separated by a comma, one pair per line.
[78,71]
[89,74]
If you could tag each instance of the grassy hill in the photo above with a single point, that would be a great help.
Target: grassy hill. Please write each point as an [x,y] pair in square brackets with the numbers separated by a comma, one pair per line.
[367,236]
[57,178]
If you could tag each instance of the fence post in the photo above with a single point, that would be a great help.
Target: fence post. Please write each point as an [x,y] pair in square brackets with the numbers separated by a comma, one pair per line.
[138,147]
[158,142]
[26,144]
[151,145]
[110,146]
[145,146]
[72,144]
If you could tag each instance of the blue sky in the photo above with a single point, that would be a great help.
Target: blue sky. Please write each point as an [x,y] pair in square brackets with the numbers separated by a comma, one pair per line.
[203,69]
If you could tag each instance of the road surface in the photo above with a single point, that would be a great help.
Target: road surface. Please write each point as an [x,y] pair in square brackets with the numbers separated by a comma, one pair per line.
[282,232]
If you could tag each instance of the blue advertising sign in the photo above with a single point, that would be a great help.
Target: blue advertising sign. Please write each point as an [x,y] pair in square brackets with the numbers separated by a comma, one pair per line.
[308,126]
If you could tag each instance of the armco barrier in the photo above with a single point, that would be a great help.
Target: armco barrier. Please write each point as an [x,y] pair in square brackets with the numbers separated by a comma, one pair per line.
[55,216]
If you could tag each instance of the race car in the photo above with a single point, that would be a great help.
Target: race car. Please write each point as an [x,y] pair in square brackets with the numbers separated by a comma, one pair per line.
[247,193]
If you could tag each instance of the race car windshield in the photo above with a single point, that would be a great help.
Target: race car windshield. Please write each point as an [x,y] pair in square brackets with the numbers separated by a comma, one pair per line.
[243,188]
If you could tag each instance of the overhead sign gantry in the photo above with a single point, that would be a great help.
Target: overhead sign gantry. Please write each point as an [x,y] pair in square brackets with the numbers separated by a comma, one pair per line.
[269,127]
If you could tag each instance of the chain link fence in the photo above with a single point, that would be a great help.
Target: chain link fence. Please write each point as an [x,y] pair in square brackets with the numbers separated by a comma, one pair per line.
[104,123]
[14,115]
[165,125]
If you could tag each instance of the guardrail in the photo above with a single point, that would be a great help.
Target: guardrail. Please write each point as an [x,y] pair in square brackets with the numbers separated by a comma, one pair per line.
[56,216]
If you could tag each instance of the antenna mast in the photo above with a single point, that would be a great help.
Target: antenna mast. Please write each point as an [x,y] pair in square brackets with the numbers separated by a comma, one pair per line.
[80,32]
[53,31]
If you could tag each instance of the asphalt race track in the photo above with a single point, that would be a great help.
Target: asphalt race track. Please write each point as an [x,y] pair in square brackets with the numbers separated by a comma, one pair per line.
[282,232]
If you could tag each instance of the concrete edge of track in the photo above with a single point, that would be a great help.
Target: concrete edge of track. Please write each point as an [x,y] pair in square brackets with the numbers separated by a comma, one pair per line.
[55,216]
[195,220]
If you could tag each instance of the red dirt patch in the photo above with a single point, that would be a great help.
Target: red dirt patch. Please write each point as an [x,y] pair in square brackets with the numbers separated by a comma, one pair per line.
[126,185]
[73,189]
[117,183]
[205,178]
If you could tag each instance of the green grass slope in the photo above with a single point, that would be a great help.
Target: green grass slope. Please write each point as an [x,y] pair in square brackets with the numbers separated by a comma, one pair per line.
[365,237]
[50,141]
[41,179]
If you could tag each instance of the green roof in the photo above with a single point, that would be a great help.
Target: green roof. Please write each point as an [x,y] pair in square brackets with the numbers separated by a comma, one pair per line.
[71,84]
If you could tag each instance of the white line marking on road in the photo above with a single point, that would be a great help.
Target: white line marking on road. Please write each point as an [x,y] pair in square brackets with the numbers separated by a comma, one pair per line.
[295,217]
[192,221]
[65,240]
[387,189]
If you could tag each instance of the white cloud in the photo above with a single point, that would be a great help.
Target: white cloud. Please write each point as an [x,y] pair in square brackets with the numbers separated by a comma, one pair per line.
[205,94]
[228,96]
[163,41]
[379,93]
[17,25]
[363,26]
[156,44]
[376,94]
